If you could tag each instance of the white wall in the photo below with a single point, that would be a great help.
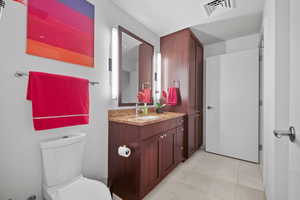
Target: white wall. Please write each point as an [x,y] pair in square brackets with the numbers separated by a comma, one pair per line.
[234,45]
[20,158]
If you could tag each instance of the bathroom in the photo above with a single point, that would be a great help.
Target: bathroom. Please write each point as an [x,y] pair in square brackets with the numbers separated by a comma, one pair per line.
[154,133]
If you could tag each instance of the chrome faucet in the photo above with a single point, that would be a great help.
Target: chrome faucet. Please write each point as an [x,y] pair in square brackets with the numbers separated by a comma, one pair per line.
[137,109]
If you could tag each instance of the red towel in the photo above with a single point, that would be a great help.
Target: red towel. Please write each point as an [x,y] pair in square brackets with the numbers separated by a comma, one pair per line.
[172,96]
[164,94]
[58,101]
[147,92]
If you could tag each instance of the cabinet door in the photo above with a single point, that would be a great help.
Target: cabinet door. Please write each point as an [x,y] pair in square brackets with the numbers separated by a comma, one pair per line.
[179,145]
[199,79]
[191,137]
[192,77]
[199,97]
[150,163]
[167,144]
[198,132]
[194,137]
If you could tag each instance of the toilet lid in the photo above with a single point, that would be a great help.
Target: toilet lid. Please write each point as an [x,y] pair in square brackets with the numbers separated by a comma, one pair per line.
[84,189]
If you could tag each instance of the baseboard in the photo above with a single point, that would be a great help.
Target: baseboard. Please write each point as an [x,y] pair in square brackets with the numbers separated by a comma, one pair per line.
[115,197]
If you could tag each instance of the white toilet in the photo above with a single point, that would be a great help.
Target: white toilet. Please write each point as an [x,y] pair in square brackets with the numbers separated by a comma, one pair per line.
[62,166]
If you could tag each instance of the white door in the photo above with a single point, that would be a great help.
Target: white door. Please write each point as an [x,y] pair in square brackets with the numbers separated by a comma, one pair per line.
[232,98]
[294,148]
[282,95]
[282,99]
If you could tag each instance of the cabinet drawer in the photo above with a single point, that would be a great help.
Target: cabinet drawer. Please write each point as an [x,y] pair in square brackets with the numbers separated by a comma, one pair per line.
[155,129]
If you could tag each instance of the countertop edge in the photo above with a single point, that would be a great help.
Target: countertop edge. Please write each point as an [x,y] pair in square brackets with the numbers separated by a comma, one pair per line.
[145,123]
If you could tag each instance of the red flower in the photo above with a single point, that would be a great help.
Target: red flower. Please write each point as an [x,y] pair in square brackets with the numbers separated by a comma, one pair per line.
[145,96]
[141,97]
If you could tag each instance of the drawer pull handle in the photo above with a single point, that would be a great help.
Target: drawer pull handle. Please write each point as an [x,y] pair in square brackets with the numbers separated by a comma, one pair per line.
[181,129]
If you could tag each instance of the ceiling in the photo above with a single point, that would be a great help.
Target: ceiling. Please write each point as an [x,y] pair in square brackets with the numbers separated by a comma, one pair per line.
[228,29]
[166,16]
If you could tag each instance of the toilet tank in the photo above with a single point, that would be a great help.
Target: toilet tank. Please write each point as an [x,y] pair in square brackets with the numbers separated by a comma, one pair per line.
[62,159]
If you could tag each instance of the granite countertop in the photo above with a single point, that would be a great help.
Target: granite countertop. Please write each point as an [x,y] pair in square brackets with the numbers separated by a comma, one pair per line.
[141,120]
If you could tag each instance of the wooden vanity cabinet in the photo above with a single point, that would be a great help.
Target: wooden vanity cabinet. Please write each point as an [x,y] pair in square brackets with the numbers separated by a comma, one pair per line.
[156,150]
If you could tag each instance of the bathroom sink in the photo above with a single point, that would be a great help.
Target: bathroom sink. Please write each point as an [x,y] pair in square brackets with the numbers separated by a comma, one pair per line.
[147,118]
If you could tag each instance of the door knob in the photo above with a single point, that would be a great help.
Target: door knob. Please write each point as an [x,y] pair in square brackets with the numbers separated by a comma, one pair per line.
[209,107]
[291,133]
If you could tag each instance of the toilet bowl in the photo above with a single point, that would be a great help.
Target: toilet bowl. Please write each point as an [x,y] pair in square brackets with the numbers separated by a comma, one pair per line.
[62,171]
[80,189]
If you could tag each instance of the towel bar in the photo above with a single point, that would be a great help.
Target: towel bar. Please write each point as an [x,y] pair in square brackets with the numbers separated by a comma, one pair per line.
[21,74]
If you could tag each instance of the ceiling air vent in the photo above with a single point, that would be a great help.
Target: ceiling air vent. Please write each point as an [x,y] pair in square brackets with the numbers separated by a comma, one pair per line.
[218,6]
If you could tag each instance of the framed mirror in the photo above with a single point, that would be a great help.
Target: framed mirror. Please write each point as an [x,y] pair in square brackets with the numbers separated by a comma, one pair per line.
[135,67]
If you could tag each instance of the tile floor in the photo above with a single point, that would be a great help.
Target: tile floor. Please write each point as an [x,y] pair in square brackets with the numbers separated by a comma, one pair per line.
[207,176]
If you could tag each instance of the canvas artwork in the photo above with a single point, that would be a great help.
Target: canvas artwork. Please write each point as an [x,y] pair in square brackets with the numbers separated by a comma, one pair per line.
[61,30]
[24,2]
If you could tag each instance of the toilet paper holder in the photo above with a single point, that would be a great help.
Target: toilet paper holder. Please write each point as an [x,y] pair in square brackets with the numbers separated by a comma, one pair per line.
[124,151]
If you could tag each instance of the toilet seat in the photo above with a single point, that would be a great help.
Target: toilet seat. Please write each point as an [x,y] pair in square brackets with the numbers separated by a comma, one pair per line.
[83,188]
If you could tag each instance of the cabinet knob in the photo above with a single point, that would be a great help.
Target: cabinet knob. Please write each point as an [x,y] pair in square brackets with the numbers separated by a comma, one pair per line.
[163,136]
[181,148]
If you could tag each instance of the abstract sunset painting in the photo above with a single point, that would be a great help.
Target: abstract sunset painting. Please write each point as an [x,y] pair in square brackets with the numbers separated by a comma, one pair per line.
[61,30]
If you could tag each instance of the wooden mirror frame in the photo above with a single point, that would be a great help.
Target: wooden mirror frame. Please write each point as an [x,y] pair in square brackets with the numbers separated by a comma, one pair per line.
[120,31]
